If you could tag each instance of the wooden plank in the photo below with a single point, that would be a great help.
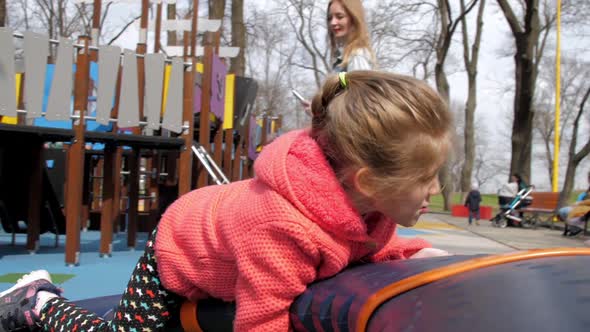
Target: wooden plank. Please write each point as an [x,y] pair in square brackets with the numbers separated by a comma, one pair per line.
[7,68]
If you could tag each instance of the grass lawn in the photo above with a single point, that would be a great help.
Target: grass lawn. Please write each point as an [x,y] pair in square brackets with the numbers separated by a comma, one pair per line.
[11,278]
[436,202]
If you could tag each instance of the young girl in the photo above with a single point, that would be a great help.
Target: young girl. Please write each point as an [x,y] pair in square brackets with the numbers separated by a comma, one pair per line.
[322,199]
[350,45]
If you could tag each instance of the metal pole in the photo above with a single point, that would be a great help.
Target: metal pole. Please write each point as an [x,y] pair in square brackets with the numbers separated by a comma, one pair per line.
[555,181]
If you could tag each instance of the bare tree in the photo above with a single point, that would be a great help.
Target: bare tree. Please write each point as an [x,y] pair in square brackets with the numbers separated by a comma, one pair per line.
[270,45]
[573,79]
[303,16]
[64,18]
[216,8]
[447,26]
[574,158]
[470,58]
[530,37]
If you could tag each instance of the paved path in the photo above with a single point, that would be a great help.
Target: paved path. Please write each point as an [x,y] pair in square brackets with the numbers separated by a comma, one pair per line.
[454,234]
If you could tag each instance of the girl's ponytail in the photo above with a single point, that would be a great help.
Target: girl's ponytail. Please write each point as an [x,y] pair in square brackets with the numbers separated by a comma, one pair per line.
[319,104]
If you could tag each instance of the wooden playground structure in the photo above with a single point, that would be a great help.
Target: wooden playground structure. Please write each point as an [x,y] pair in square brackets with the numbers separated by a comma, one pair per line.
[121,120]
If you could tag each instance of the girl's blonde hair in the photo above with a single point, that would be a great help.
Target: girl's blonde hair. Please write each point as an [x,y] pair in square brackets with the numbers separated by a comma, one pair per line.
[396,126]
[358,37]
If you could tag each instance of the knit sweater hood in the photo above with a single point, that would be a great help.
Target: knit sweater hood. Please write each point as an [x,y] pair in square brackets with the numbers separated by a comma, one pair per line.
[295,167]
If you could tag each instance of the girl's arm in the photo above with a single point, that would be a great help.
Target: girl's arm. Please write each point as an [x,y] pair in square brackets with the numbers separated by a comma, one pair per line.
[400,248]
[276,262]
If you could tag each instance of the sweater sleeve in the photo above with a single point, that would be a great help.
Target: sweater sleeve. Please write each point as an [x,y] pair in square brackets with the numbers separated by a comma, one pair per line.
[359,60]
[400,248]
[276,262]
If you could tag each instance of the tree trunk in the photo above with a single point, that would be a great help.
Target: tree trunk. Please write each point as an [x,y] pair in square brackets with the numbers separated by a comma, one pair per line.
[216,9]
[238,33]
[574,158]
[171,15]
[444,175]
[469,133]
[522,128]
[2,13]
[526,37]
[471,62]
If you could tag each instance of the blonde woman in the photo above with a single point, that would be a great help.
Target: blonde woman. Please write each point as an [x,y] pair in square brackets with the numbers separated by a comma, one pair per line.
[350,45]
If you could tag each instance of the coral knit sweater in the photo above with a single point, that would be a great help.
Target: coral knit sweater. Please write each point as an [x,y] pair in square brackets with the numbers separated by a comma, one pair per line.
[260,242]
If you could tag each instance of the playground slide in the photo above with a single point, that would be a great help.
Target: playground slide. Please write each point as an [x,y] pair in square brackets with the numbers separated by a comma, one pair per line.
[539,290]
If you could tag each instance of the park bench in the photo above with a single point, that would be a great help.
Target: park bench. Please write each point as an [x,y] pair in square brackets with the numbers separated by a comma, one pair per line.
[543,204]
[585,219]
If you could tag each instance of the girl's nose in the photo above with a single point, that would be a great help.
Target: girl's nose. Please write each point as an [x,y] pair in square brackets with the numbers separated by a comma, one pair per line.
[434,186]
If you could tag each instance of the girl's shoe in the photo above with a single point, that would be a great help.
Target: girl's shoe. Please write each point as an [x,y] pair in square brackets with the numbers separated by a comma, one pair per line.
[17,304]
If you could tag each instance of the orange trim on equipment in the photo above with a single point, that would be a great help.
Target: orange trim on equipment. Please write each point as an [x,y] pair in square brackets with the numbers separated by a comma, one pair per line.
[447,271]
[188,317]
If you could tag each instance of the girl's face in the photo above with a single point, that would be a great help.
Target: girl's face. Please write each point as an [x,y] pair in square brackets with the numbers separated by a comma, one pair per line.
[339,20]
[410,204]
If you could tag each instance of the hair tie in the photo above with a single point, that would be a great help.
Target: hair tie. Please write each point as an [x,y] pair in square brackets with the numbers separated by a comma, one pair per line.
[342,77]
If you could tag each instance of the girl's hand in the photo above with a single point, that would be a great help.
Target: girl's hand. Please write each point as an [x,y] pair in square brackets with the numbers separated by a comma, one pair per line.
[430,252]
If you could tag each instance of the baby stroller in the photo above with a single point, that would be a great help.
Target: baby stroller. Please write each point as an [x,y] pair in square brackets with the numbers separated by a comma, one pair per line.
[507,214]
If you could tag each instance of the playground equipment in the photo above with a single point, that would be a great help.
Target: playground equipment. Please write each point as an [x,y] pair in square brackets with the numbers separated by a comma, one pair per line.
[137,108]
[537,290]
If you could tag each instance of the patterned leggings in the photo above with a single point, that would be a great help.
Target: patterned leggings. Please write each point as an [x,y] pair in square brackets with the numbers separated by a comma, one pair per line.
[145,306]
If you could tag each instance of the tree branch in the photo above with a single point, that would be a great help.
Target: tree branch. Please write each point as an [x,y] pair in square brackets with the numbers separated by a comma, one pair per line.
[510,17]
[123,30]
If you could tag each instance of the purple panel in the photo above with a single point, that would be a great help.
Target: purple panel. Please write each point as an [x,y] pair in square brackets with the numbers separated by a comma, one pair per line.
[219,71]
[197,99]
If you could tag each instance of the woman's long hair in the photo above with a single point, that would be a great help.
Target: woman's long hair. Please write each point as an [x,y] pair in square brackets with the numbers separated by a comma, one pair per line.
[358,37]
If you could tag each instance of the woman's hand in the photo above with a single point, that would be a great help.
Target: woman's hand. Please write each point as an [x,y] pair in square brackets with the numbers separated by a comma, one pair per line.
[306,106]
[430,252]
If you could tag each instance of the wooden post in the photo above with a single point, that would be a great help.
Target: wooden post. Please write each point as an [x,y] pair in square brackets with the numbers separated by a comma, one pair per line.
[133,160]
[186,154]
[76,157]
[133,197]
[35,197]
[97,179]
[235,175]
[106,216]
[94,35]
[228,135]
[157,45]
[204,130]
[154,190]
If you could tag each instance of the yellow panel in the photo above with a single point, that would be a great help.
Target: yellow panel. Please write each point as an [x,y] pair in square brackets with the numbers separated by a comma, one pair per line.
[200,67]
[167,71]
[11,119]
[228,115]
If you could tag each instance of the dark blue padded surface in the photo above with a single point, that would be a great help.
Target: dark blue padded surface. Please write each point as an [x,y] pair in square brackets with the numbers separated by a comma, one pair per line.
[545,295]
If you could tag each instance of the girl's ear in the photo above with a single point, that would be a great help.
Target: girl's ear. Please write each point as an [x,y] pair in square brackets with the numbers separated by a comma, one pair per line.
[362,182]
